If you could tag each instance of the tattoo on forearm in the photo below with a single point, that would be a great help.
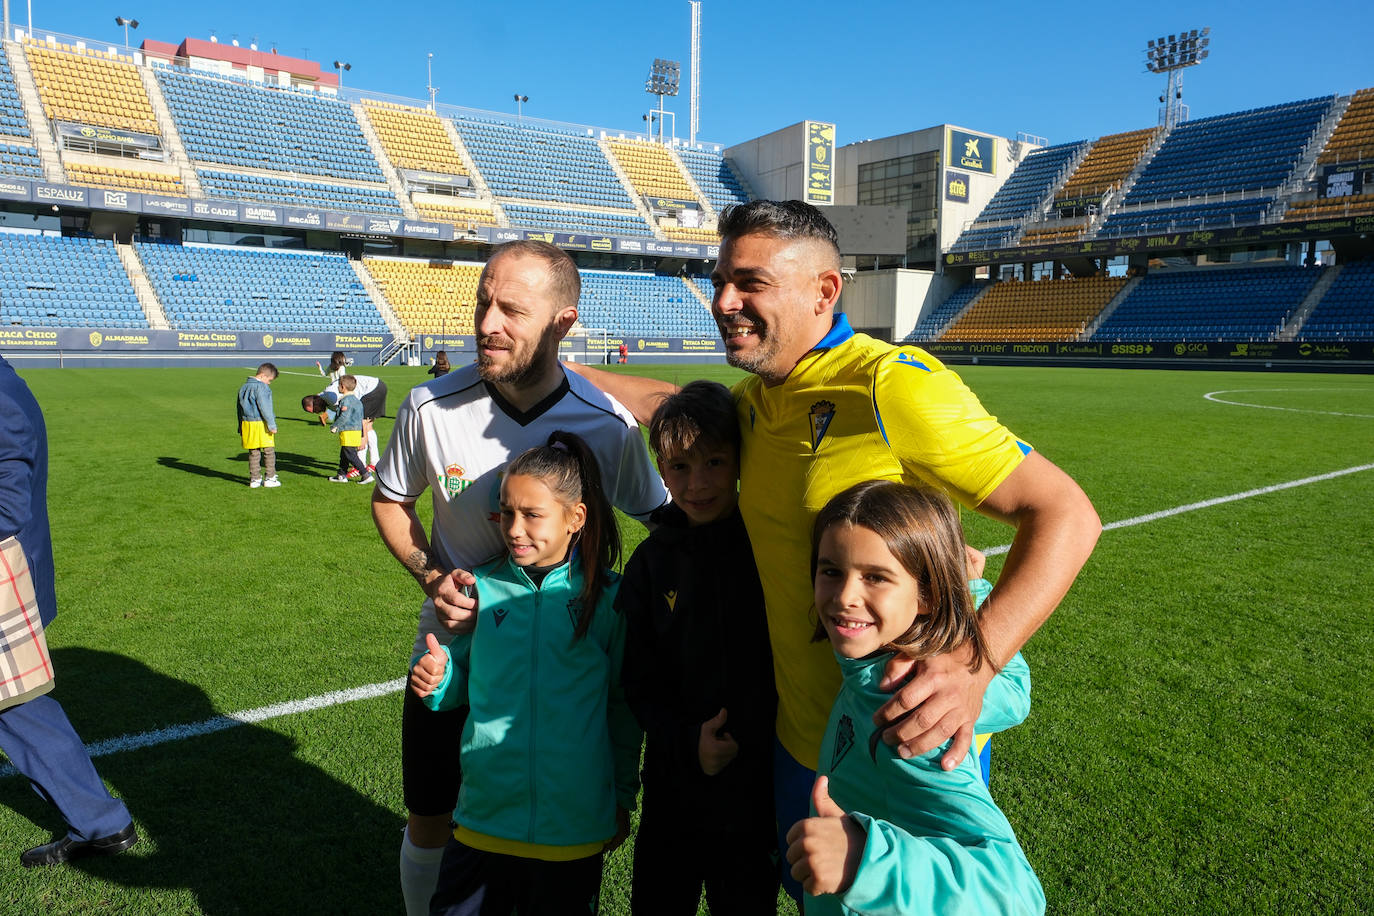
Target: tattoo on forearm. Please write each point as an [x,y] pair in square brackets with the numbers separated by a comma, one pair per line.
[419,563]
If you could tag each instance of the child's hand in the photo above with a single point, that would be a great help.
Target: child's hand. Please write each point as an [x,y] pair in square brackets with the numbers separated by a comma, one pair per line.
[975,560]
[715,749]
[622,830]
[429,669]
[333,429]
[824,850]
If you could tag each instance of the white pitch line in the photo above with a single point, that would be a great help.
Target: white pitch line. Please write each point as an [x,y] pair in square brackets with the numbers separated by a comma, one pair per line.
[1209,503]
[220,723]
[1211,396]
[369,691]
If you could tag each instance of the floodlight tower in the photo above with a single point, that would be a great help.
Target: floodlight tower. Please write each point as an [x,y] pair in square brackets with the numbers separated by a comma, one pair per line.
[664,77]
[1185,49]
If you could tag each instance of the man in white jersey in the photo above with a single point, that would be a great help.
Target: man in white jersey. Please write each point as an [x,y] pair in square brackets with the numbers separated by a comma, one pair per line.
[454,436]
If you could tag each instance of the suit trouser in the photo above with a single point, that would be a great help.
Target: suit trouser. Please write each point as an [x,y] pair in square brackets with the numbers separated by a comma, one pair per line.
[41,743]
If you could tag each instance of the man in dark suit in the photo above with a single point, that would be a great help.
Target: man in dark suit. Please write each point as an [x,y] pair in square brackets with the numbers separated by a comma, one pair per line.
[36,735]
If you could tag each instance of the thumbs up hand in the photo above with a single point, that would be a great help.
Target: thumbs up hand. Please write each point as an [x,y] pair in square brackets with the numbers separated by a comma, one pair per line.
[429,668]
[715,748]
[824,850]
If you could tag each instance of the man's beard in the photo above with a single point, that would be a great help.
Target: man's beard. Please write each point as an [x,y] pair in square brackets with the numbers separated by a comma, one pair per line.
[523,369]
[760,356]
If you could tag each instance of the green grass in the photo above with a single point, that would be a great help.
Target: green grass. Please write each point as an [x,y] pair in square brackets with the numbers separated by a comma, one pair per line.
[1200,739]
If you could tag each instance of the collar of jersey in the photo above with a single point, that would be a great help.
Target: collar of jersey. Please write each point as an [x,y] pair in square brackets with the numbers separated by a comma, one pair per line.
[526,417]
[839,332]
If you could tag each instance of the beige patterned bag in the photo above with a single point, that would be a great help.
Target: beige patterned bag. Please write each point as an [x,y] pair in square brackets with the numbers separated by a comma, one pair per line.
[25,666]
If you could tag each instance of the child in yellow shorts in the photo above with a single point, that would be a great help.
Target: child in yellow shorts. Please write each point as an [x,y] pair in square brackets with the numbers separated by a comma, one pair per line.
[258,426]
[348,423]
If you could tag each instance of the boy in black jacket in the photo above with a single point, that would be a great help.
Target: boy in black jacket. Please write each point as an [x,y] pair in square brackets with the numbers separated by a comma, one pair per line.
[699,676]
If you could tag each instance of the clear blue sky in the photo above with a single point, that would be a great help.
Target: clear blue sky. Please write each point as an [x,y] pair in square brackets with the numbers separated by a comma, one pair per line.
[1061,70]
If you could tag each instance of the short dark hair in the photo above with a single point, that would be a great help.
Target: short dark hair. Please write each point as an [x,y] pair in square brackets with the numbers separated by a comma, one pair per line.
[313,403]
[347,383]
[784,219]
[269,369]
[564,279]
[701,412]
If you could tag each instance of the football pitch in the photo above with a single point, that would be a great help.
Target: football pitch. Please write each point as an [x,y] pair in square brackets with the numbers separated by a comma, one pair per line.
[1201,736]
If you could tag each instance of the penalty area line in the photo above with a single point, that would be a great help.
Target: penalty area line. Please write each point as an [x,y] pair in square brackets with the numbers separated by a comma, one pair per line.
[220,723]
[1209,503]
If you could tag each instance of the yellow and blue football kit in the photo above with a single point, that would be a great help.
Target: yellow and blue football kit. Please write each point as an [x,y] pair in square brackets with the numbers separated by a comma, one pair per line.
[853,409]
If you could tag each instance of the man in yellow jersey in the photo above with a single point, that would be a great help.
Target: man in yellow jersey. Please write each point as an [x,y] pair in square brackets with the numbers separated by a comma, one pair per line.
[825,408]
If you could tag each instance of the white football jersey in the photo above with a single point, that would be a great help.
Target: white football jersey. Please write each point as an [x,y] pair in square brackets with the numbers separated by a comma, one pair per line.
[455,435]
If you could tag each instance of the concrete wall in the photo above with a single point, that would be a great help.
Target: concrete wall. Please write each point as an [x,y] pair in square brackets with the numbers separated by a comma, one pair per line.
[774,164]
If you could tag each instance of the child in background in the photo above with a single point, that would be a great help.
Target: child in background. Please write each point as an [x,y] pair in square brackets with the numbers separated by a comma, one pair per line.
[889,835]
[258,426]
[338,366]
[348,423]
[699,676]
[441,366]
[549,748]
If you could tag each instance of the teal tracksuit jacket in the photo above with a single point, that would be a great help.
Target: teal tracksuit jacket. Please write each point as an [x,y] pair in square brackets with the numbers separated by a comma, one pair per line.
[937,842]
[550,747]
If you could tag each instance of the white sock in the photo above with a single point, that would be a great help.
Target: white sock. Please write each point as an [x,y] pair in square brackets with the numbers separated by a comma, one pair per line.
[419,875]
[362,455]
[372,450]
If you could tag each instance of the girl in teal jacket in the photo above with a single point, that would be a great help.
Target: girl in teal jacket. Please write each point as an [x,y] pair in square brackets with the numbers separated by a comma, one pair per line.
[888,835]
[550,750]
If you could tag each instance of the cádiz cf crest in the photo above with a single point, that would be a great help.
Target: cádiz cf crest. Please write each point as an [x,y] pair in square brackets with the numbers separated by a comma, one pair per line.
[822,412]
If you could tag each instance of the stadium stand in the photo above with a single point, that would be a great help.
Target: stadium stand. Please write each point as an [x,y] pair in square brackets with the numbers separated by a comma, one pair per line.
[414,138]
[1060,232]
[642,305]
[13,123]
[651,168]
[1353,138]
[525,162]
[243,186]
[1240,303]
[233,123]
[690,233]
[1346,311]
[1214,215]
[1328,207]
[87,87]
[20,160]
[1244,151]
[460,213]
[428,296]
[1023,194]
[1039,310]
[714,176]
[102,176]
[1106,166]
[47,281]
[588,221]
[213,287]
[929,327]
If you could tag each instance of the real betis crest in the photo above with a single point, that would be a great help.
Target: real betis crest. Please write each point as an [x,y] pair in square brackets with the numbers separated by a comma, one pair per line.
[822,412]
[454,482]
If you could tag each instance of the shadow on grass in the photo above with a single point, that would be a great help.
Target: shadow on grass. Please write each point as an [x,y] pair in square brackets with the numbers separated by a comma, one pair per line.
[232,816]
[287,462]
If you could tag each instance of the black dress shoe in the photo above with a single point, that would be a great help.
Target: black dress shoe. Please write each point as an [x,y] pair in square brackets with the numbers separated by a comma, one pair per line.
[67,848]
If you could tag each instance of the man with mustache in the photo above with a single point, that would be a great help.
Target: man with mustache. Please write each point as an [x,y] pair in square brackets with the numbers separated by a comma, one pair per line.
[825,408]
[454,436]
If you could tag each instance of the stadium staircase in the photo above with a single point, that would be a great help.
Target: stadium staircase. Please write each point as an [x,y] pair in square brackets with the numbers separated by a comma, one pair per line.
[1111,198]
[393,180]
[33,110]
[478,182]
[171,140]
[708,209]
[703,297]
[629,185]
[1307,162]
[147,297]
[1107,309]
[378,297]
[1300,314]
